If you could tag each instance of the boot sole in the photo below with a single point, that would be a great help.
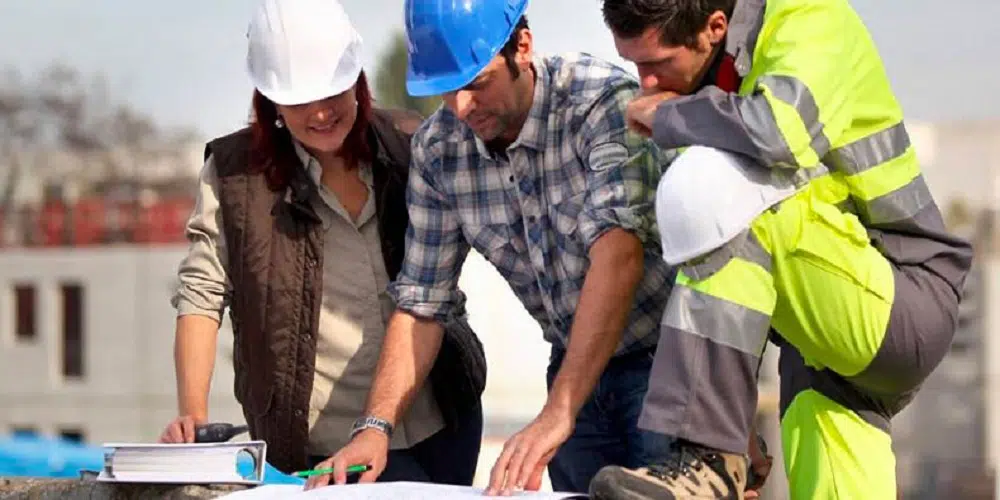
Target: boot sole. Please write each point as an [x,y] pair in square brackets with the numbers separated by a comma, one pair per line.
[609,485]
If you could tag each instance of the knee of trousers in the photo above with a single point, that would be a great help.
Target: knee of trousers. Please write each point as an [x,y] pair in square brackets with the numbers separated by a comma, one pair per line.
[922,324]
[707,197]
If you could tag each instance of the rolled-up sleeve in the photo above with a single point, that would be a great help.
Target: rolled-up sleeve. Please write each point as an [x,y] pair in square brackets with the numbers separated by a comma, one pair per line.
[427,285]
[203,286]
[623,169]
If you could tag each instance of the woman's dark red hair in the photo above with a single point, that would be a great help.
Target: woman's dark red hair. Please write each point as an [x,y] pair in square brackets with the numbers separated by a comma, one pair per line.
[272,150]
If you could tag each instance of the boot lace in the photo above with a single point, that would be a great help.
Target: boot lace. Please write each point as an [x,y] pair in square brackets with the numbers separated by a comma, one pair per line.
[682,460]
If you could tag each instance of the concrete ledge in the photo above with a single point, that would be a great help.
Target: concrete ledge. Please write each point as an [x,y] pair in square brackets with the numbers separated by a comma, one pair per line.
[19,488]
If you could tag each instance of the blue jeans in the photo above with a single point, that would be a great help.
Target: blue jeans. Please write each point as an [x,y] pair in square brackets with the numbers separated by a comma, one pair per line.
[606,431]
[449,456]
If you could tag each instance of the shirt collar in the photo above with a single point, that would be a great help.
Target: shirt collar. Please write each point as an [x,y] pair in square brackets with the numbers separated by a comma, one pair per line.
[315,170]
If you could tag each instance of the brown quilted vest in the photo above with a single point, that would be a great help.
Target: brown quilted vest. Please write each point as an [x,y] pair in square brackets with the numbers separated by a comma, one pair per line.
[275,250]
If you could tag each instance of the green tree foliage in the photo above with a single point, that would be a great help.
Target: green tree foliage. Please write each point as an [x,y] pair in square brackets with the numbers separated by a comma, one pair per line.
[390,81]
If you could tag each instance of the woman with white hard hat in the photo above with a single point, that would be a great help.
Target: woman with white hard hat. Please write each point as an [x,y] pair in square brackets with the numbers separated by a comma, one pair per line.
[299,230]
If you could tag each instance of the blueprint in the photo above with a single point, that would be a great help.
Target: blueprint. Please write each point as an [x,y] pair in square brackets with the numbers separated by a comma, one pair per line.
[383,491]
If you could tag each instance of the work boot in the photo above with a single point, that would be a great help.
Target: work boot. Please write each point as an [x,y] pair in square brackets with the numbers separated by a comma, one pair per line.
[689,472]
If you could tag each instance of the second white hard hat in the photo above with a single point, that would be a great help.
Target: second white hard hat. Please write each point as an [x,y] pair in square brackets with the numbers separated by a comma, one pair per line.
[301,51]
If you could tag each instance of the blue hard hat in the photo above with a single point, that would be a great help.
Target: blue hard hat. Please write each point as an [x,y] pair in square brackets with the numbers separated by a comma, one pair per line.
[450,41]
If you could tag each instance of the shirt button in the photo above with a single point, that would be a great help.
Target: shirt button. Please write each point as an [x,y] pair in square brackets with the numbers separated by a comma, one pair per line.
[511,178]
[307,337]
[532,219]
[298,413]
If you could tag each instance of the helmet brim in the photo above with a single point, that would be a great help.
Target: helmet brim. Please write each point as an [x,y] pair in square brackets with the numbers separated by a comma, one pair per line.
[301,96]
[442,84]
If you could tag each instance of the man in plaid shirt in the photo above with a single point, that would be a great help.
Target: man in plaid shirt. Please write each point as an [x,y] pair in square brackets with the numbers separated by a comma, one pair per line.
[531,164]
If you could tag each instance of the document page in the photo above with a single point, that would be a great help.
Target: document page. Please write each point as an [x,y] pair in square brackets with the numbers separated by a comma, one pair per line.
[403,490]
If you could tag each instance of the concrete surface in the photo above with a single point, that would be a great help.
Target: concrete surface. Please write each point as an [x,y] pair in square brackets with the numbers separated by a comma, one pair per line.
[73,489]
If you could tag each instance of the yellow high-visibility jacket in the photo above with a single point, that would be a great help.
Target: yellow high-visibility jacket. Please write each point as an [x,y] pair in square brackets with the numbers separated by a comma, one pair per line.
[814,91]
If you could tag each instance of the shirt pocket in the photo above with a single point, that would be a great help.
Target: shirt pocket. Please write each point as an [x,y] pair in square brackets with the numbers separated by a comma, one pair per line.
[498,244]
[569,252]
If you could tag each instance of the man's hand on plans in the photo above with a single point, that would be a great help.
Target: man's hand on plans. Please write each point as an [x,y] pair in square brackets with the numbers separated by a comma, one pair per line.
[369,447]
[527,453]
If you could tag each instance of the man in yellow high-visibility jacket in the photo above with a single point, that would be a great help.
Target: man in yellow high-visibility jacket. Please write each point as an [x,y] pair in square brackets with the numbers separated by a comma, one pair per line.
[796,205]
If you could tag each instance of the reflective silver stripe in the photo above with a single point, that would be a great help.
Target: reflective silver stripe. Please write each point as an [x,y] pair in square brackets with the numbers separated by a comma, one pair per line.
[901,204]
[753,251]
[806,174]
[717,320]
[871,151]
[796,94]
[763,127]
[745,245]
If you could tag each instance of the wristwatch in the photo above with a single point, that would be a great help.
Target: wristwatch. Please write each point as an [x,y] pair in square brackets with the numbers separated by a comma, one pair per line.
[370,422]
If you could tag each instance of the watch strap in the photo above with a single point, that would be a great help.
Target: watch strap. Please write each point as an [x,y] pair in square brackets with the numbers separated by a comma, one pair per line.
[370,422]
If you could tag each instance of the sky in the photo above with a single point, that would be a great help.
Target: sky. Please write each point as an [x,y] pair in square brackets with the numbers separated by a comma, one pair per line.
[182,60]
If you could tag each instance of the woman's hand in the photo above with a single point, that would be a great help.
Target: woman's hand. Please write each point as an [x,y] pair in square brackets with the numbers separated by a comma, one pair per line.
[180,430]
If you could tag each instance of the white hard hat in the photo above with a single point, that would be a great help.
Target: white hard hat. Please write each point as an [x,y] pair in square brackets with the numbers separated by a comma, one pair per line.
[708,196]
[302,50]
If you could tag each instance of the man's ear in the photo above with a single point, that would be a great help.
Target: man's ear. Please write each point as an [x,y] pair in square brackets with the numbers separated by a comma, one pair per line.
[525,48]
[716,27]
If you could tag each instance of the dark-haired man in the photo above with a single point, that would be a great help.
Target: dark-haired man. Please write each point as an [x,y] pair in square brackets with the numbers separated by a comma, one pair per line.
[529,162]
[797,206]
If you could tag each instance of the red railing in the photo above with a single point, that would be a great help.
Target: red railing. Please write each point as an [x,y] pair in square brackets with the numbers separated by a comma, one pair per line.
[94,222]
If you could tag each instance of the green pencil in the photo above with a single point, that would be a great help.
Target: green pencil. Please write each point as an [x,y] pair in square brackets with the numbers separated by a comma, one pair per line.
[329,470]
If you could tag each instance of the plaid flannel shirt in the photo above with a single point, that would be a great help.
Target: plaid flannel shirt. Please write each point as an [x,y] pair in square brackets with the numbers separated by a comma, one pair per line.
[533,211]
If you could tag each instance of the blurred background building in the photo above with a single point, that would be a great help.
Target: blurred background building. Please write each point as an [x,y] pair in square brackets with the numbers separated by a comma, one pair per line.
[95,189]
